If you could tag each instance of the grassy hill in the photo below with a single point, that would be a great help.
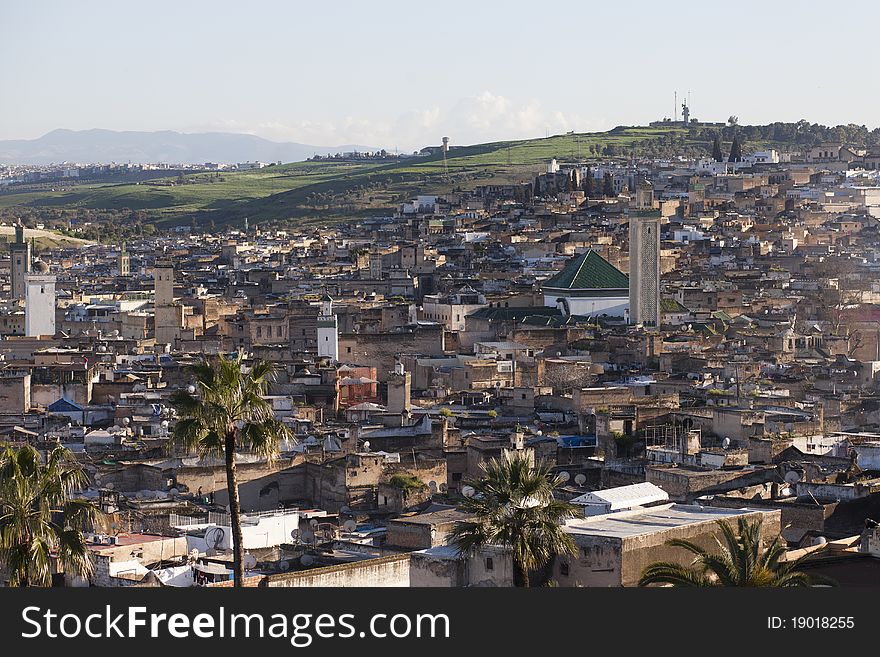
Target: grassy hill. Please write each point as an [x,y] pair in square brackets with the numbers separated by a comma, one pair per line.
[325,191]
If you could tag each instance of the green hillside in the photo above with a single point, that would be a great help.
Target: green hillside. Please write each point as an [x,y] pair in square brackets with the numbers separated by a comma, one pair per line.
[321,191]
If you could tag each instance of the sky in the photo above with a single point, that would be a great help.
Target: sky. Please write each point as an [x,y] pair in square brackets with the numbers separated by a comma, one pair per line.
[392,74]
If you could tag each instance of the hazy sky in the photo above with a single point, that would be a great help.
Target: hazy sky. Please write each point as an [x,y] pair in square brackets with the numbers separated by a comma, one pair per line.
[402,74]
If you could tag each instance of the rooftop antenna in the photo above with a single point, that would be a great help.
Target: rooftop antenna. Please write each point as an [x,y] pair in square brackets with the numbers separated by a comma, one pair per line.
[675,106]
[444,148]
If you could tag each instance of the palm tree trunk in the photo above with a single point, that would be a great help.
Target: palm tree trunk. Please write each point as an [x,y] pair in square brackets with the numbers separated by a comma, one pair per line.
[523,575]
[234,510]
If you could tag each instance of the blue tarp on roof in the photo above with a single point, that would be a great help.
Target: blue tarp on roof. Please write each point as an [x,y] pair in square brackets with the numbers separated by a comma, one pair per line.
[64,406]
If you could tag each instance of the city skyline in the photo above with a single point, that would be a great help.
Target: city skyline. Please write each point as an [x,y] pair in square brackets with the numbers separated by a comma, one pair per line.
[335,75]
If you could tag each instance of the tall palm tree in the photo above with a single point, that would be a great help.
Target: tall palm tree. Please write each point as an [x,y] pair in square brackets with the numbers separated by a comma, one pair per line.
[225,412]
[739,562]
[38,518]
[514,509]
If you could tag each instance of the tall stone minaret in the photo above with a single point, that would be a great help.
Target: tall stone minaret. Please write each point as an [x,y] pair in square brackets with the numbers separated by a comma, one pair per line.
[328,333]
[20,254]
[644,268]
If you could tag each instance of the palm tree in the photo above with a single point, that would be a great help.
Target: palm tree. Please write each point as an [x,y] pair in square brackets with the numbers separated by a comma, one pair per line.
[514,509]
[740,562]
[225,412]
[38,518]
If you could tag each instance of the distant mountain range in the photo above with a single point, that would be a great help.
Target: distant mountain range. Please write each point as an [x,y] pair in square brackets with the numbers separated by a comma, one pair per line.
[165,146]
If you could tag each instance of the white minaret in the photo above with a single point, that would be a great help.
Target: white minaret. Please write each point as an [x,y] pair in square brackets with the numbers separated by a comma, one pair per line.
[328,334]
[644,268]
[39,312]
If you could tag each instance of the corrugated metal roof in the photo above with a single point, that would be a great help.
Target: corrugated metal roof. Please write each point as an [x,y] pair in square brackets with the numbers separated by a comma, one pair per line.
[624,497]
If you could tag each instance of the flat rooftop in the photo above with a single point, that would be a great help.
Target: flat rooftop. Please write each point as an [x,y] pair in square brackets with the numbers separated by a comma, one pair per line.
[643,522]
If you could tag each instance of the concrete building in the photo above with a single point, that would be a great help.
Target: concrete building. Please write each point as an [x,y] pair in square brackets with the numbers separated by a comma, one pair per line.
[39,315]
[644,268]
[614,548]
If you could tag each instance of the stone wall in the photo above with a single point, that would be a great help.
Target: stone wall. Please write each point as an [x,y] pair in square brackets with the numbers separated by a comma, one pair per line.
[391,571]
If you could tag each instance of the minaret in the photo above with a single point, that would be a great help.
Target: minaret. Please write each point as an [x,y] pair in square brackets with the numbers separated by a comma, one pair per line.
[328,334]
[123,262]
[399,390]
[644,268]
[375,264]
[168,316]
[20,253]
[39,312]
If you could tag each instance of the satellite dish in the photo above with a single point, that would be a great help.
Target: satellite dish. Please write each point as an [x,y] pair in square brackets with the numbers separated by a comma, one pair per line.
[349,525]
[308,536]
[366,445]
[126,421]
[564,476]
[307,560]
[194,554]
[580,479]
[820,540]
[345,509]
[284,566]
[110,486]
[314,522]
[214,536]
[296,535]
[468,491]
[432,486]
[792,477]
[725,443]
[250,561]
[174,491]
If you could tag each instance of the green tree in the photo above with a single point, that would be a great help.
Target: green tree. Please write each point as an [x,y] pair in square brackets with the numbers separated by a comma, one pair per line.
[587,184]
[514,509]
[608,185]
[38,517]
[735,150]
[717,153]
[223,413]
[739,562]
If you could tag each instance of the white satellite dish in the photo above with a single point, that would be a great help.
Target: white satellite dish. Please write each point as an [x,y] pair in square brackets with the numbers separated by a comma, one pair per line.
[820,540]
[792,477]
[366,445]
[580,479]
[250,561]
[725,443]
[307,560]
[468,491]
[564,476]
[194,554]
[349,525]
[432,486]
[296,535]
[110,486]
